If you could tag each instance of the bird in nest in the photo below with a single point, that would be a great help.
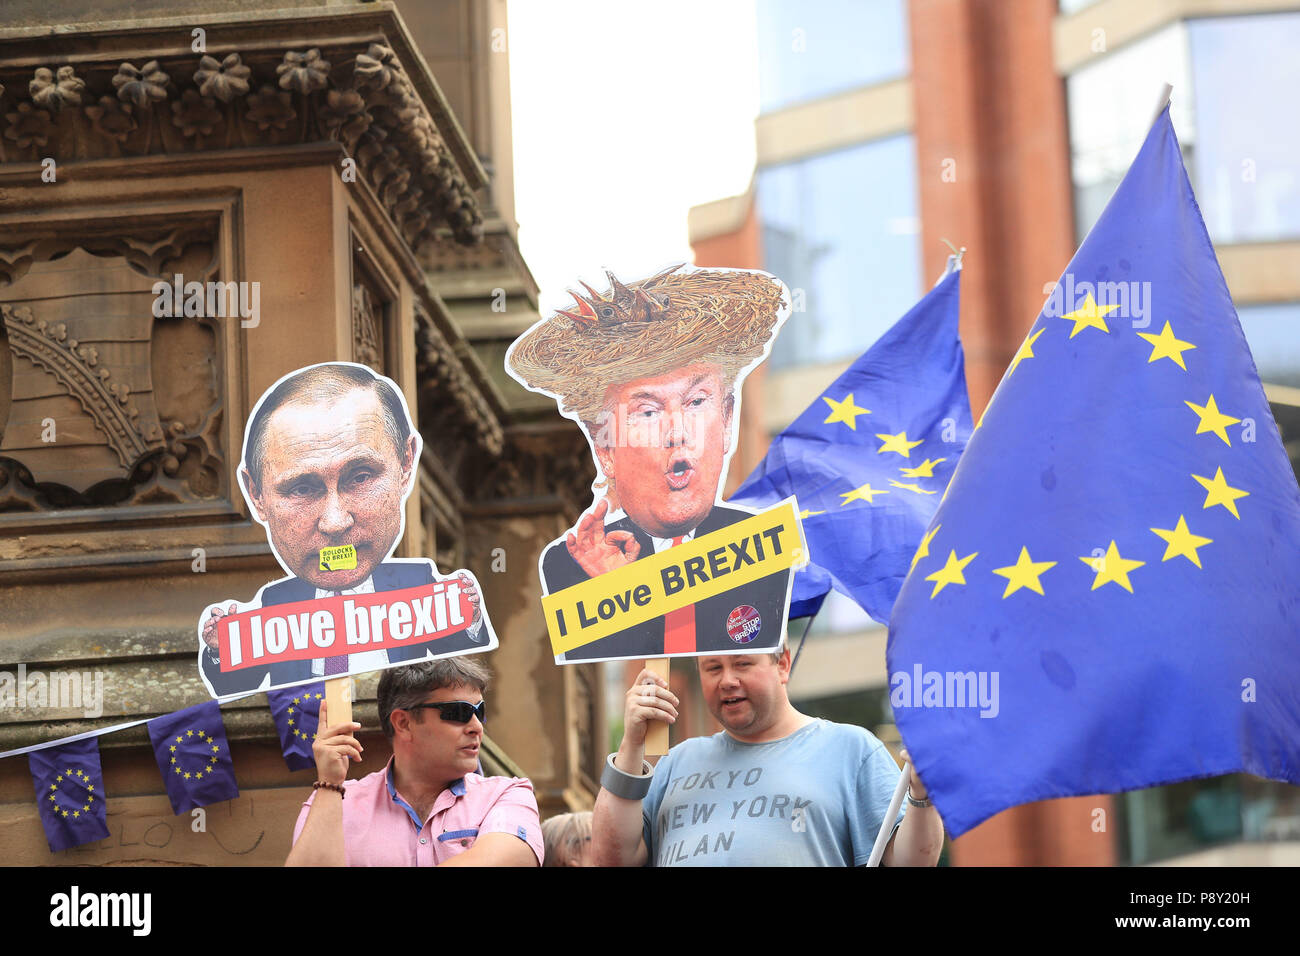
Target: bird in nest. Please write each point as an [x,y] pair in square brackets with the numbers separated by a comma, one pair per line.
[637,303]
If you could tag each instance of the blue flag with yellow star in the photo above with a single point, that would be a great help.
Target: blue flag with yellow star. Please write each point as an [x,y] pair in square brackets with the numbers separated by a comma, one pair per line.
[1109,598]
[70,793]
[870,457]
[194,757]
[295,711]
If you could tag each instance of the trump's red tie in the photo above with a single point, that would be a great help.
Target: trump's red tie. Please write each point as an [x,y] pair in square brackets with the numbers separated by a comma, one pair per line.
[679,625]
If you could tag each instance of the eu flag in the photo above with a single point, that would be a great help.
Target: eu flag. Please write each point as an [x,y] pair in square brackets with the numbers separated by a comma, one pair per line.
[70,793]
[194,756]
[1113,575]
[870,458]
[295,711]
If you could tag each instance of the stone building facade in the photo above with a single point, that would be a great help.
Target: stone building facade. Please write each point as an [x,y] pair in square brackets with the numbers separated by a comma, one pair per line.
[353,166]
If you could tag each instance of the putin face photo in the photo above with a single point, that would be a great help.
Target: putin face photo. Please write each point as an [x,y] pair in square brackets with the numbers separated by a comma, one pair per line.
[328,462]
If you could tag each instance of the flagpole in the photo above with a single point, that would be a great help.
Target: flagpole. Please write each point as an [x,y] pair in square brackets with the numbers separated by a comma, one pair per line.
[1164,101]
[887,824]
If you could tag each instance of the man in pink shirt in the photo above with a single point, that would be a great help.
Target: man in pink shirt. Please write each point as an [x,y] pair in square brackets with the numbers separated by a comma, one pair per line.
[429,806]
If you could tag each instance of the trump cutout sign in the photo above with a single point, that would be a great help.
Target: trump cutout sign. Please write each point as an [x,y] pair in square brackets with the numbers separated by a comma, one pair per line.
[659,566]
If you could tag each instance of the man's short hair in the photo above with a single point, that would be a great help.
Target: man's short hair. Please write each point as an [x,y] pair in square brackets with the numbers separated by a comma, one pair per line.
[401,688]
[324,383]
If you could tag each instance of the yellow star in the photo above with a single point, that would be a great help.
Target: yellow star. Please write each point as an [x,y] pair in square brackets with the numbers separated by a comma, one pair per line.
[86,808]
[68,771]
[805,514]
[75,814]
[1112,568]
[865,493]
[924,550]
[950,573]
[180,740]
[1026,351]
[178,769]
[295,700]
[1219,492]
[90,799]
[54,786]
[1181,541]
[1089,315]
[912,487]
[189,733]
[216,749]
[59,778]
[317,696]
[289,711]
[897,443]
[173,760]
[91,788]
[291,723]
[52,797]
[172,748]
[187,775]
[1212,420]
[924,470]
[65,812]
[844,411]
[1024,574]
[1165,345]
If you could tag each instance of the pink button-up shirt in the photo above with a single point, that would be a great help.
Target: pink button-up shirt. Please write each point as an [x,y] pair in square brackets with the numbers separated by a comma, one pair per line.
[380,828]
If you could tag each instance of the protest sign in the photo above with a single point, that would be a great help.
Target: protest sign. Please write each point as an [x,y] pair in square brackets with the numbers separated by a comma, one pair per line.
[659,566]
[329,459]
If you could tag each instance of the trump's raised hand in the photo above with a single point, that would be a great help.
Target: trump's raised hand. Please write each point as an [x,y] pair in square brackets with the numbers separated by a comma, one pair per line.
[596,550]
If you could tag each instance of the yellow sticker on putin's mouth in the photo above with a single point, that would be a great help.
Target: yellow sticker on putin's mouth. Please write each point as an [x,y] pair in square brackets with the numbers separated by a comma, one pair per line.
[342,558]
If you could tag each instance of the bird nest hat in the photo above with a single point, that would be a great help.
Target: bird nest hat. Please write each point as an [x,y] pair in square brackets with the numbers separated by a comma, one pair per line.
[649,328]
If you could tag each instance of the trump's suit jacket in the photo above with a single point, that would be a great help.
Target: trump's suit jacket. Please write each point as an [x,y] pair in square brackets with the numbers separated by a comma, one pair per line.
[766,596]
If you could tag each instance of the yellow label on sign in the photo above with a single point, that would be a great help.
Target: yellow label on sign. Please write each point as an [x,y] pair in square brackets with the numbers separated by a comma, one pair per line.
[342,558]
[656,584]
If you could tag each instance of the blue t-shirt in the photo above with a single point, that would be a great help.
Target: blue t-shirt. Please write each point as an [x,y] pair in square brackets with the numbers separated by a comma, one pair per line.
[814,798]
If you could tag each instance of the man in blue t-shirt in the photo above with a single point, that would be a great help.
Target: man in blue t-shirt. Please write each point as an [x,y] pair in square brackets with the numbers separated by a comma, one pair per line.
[775,788]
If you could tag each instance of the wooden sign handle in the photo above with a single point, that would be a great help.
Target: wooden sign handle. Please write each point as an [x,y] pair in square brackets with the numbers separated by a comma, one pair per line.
[338,695]
[656,737]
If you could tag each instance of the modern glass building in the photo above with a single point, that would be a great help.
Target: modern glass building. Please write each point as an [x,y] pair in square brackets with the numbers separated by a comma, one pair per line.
[888,126]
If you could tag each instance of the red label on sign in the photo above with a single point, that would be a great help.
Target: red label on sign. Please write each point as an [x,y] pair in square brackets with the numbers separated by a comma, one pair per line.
[346,624]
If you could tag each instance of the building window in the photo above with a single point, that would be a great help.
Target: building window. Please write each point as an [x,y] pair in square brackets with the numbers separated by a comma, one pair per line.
[842,230]
[1273,334]
[1111,105]
[810,50]
[1247,179]
[1228,74]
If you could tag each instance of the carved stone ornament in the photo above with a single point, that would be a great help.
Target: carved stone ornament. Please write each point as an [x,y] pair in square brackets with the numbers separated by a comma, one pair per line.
[356,94]
[367,341]
[459,405]
[102,403]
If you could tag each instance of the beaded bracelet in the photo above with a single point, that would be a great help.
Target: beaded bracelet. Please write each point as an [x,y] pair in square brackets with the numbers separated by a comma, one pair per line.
[322,785]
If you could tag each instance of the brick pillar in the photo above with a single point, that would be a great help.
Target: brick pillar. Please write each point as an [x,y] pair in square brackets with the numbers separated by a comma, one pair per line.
[994,174]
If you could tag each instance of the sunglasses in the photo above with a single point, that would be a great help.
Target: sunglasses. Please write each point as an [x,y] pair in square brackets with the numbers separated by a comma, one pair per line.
[457,711]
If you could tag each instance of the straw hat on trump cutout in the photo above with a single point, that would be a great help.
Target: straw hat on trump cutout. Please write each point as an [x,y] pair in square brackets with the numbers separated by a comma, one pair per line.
[649,328]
